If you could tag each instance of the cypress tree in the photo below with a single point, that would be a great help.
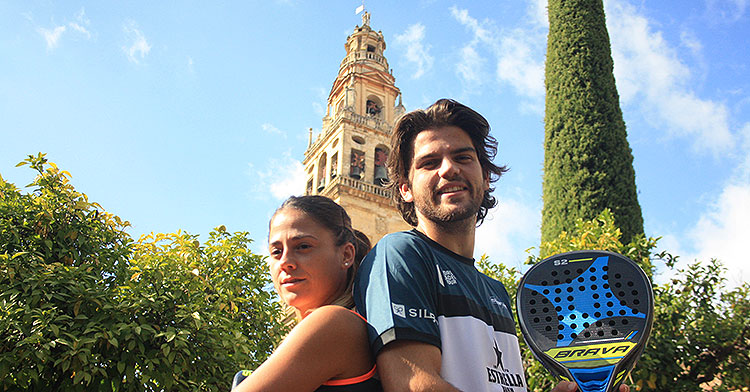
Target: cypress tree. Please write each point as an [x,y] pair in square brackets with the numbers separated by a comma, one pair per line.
[588,164]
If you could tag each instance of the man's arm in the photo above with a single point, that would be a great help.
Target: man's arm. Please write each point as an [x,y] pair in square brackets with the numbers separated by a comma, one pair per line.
[409,365]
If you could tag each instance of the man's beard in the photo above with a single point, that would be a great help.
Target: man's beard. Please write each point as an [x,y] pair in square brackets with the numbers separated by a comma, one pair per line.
[450,218]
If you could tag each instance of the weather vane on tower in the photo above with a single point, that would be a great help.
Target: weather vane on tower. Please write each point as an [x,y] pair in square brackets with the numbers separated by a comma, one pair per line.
[365,15]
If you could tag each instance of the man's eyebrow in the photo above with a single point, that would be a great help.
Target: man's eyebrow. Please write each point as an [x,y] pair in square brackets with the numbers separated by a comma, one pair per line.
[460,150]
[464,149]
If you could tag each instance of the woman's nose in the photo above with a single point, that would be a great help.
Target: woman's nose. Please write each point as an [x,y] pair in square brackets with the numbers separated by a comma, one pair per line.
[287,262]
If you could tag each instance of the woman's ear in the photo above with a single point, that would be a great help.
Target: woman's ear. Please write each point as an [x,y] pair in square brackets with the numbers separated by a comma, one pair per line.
[349,251]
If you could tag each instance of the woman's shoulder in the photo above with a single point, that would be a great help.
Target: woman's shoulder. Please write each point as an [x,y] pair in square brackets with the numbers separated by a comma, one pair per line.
[337,334]
[329,344]
[335,329]
[333,316]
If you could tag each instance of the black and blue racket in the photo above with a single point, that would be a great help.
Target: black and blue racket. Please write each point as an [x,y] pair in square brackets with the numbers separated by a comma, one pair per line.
[586,315]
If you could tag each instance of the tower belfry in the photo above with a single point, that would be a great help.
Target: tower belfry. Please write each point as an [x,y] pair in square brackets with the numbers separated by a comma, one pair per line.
[346,162]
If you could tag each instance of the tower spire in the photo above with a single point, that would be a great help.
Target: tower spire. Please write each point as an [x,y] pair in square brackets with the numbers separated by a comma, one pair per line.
[347,161]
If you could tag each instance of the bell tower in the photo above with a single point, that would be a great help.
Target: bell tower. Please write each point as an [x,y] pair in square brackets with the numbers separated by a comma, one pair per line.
[346,162]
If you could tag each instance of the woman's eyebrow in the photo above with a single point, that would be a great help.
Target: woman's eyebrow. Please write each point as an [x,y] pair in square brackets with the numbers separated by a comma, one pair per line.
[296,237]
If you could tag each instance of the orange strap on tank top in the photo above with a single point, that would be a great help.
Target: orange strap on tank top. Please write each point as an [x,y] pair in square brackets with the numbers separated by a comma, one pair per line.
[353,380]
[360,316]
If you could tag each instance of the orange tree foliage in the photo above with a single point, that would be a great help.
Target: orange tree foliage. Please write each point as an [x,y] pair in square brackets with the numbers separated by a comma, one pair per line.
[85,307]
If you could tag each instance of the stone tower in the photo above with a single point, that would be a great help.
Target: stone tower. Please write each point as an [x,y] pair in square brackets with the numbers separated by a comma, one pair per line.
[346,162]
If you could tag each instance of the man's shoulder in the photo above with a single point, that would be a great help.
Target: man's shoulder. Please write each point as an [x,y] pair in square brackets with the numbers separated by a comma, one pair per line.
[404,250]
[398,238]
[403,243]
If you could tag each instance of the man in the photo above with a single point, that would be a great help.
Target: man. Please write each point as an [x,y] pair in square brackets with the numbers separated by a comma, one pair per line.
[437,324]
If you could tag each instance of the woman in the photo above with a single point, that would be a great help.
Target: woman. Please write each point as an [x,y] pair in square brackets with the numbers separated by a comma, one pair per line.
[314,255]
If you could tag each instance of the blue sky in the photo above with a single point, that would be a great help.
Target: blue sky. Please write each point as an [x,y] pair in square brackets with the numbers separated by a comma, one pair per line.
[190,115]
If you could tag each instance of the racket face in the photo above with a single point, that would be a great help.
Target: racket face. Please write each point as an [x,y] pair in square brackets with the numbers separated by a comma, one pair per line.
[586,315]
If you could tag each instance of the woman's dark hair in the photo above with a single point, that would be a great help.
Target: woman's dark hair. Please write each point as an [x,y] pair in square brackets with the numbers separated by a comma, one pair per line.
[333,217]
[444,112]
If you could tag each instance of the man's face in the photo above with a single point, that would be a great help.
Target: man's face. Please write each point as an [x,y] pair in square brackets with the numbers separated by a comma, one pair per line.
[446,182]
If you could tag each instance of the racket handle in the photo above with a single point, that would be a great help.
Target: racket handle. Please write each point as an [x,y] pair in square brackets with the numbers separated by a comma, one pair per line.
[239,376]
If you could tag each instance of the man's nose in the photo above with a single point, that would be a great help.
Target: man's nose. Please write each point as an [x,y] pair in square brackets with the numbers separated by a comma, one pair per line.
[448,168]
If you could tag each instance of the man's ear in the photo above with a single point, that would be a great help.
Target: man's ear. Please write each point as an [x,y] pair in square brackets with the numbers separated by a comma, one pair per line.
[486,180]
[405,192]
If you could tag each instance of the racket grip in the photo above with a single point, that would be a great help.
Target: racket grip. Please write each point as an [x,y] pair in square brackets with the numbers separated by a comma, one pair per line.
[239,376]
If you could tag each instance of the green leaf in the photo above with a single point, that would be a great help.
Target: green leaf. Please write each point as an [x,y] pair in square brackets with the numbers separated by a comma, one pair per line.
[18,254]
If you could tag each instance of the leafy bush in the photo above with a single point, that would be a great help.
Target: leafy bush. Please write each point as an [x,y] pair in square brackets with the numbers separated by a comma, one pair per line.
[701,336]
[84,307]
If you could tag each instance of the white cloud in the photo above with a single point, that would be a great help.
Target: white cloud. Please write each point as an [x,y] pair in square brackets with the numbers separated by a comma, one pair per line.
[518,66]
[508,230]
[690,41]
[417,52]
[723,230]
[81,16]
[138,46]
[726,11]
[470,67]
[52,36]
[280,178]
[743,170]
[270,128]
[481,33]
[81,22]
[318,107]
[289,182]
[538,12]
[519,59]
[651,75]
[80,29]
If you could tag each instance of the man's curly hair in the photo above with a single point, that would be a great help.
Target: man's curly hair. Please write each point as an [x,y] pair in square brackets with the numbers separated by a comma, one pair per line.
[444,112]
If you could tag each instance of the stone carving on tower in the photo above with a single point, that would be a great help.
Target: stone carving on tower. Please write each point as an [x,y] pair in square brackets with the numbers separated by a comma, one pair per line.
[346,162]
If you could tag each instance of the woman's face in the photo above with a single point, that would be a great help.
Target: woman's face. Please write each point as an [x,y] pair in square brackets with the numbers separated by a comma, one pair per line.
[307,268]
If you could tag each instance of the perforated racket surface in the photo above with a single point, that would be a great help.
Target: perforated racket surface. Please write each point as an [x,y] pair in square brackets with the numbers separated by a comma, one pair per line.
[586,315]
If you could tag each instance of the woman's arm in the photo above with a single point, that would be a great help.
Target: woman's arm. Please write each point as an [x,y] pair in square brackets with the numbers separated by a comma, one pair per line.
[329,343]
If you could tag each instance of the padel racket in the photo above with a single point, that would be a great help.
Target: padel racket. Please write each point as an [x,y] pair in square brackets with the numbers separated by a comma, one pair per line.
[586,315]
